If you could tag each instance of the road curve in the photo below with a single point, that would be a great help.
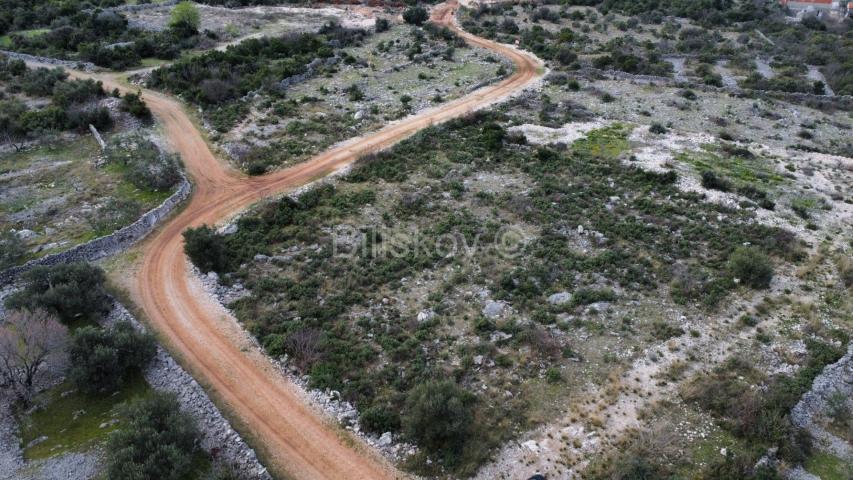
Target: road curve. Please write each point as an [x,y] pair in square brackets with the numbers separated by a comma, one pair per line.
[296,441]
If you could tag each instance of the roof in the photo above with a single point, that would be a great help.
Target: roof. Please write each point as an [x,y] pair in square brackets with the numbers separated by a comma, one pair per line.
[814,2]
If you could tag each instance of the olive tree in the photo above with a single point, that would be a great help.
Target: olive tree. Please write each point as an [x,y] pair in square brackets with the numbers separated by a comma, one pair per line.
[159,441]
[102,358]
[73,291]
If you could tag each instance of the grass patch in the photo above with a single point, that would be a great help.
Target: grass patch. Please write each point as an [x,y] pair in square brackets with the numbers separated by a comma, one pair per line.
[73,421]
[828,467]
[738,168]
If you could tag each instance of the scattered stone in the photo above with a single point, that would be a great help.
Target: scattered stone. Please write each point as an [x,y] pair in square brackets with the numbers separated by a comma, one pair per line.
[560,298]
[494,309]
[425,315]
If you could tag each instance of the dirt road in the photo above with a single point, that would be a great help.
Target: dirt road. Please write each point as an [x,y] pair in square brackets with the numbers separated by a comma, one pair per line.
[296,441]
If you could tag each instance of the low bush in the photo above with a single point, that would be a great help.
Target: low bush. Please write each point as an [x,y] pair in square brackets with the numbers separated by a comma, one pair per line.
[380,419]
[102,358]
[12,249]
[657,128]
[73,291]
[206,249]
[144,165]
[158,442]
[439,416]
[712,181]
[134,105]
[415,15]
[752,267]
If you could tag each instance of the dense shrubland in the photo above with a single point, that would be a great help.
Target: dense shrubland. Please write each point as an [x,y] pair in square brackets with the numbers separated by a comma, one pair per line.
[824,43]
[82,30]
[218,80]
[74,292]
[72,106]
[159,441]
[155,439]
[652,236]
[102,358]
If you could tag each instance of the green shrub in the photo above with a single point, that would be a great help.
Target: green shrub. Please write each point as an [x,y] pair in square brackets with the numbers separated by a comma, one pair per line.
[553,375]
[657,128]
[144,164]
[206,249]
[382,25]
[73,291]
[158,442]
[380,419]
[133,104]
[415,15]
[752,267]
[102,358]
[439,416]
[76,91]
[185,19]
[12,249]
[712,181]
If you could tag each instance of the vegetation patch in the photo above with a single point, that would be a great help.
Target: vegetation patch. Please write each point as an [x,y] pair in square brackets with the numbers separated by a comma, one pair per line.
[331,273]
[68,420]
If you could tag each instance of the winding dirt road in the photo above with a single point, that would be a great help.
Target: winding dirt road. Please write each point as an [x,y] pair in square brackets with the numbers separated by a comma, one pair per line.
[295,440]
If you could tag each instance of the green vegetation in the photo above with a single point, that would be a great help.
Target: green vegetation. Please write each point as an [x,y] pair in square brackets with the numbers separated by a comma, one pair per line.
[439,417]
[303,297]
[69,109]
[158,442]
[79,30]
[415,15]
[74,421]
[828,467]
[12,249]
[143,164]
[759,416]
[752,267]
[133,104]
[74,292]
[710,29]
[185,19]
[206,249]
[102,359]
[217,80]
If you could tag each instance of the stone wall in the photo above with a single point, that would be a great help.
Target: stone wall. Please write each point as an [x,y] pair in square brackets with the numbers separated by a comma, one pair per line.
[109,244]
[74,65]
[218,437]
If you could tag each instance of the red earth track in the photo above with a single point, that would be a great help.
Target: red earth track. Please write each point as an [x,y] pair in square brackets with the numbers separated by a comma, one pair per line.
[296,441]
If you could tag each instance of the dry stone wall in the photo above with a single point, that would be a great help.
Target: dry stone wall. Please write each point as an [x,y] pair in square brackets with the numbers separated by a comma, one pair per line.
[109,244]
[76,65]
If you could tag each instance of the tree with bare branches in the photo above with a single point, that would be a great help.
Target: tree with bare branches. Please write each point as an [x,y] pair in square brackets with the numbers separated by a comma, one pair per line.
[304,346]
[29,341]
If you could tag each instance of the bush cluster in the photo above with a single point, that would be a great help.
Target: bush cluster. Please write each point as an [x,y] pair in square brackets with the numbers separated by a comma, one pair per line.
[71,108]
[143,164]
[77,31]
[73,292]
[158,441]
[101,358]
